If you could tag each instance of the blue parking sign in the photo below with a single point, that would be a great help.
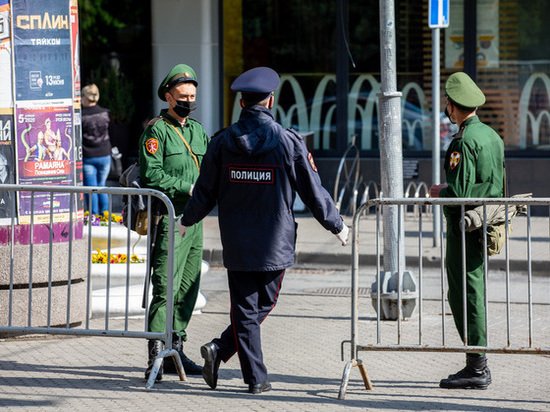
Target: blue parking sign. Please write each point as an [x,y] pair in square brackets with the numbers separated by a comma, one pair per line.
[438,14]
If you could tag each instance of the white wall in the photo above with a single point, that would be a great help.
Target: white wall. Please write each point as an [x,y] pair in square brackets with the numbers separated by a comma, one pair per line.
[186,31]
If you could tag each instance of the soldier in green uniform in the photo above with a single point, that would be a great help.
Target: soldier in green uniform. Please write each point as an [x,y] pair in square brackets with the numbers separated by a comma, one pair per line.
[474,167]
[171,149]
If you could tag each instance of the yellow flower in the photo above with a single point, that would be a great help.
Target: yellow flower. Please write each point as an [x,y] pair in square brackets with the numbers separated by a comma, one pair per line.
[102,257]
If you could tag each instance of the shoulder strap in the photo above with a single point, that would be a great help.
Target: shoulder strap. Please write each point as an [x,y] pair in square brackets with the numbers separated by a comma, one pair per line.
[504,185]
[153,121]
[295,133]
[186,144]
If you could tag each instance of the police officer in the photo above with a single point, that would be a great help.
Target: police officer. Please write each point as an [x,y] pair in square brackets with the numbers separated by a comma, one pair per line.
[474,167]
[171,149]
[252,170]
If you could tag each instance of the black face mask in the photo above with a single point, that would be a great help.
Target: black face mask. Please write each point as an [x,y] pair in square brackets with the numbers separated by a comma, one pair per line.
[183,108]
[448,115]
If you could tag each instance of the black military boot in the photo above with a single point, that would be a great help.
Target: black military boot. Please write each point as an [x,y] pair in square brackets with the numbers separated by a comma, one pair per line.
[476,375]
[190,367]
[154,347]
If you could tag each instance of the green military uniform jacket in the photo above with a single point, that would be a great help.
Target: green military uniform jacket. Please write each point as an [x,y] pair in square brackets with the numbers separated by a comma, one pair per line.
[165,161]
[474,163]
[167,165]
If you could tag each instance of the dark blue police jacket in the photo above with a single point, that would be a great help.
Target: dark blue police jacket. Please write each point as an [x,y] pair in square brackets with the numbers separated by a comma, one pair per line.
[252,170]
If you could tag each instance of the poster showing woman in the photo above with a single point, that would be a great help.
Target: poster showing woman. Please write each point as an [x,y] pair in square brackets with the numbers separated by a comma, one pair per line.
[44,157]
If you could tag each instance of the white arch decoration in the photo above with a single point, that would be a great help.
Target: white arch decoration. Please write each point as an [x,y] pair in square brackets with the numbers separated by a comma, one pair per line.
[299,106]
[316,107]
[416,122]
[321,127]
[368,111]
[526,115]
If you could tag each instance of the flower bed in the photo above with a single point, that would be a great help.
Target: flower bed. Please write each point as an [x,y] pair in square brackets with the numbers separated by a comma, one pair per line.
[104,257]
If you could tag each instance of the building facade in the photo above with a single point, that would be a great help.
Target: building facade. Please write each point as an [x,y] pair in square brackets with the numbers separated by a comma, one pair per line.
[328,56]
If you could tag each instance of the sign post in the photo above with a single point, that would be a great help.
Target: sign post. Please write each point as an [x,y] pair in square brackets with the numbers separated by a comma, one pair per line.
[438,17]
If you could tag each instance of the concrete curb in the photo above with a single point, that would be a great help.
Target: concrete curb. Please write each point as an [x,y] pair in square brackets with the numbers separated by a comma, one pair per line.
[538,267]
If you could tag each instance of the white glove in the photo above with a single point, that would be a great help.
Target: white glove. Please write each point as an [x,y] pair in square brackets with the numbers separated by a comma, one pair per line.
[182,229]
[191,190]
[343,235]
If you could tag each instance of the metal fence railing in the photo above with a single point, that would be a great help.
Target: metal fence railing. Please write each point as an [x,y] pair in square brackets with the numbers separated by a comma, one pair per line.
[46,283]
[526,329]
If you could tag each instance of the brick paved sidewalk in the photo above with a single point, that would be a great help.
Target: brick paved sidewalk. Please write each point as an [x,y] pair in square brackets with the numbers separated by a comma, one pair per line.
[301,342]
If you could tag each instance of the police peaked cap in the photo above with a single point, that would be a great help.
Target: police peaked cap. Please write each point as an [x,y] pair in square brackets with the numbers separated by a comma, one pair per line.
[256,84]
[181,73]
[462,90]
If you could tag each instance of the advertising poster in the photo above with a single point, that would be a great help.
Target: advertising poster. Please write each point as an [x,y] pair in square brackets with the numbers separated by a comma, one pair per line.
[6,90]
[79,173]
[7,172]
[487,35]
[42,50]
[75,51]
[77,84]
[44,151]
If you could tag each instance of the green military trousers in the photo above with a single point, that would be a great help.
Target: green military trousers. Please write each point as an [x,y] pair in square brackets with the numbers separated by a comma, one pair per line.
[475,283]
[187,269]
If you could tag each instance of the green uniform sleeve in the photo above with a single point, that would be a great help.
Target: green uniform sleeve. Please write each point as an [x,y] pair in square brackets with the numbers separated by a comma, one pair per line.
[154,173]
[460,165]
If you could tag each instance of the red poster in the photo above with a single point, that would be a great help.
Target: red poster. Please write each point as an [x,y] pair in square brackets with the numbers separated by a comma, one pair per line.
[75,50]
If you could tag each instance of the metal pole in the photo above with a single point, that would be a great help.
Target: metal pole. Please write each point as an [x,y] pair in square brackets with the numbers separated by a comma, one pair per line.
[436,142]
[391,155]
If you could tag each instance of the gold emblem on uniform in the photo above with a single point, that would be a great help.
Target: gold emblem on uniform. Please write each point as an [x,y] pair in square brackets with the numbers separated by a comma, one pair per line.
[152,145]
[186,75]
[454,159]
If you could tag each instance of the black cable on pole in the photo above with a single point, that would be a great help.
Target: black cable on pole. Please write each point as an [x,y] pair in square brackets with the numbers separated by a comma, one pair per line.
[345,36]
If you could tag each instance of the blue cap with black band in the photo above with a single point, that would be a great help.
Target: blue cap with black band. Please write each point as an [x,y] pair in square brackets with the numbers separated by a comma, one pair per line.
[257,84]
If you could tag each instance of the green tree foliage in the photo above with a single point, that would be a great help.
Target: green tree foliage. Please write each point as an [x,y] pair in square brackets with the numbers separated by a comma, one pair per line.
[116,95]
[115,46]
[97,22]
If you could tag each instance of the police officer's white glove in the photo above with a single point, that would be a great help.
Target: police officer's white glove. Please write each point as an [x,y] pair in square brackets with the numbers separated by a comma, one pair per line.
[343,235]
[182,229]
[191,190]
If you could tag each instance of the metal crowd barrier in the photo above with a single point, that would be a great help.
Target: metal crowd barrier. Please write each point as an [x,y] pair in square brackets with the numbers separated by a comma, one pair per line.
[400,336]
[50,259]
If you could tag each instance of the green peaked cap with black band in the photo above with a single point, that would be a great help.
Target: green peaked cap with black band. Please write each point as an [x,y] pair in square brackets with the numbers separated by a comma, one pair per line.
[181,73]
[462,90]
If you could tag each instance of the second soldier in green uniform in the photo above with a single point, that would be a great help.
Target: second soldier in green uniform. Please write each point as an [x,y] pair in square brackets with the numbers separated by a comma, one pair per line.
[474,167]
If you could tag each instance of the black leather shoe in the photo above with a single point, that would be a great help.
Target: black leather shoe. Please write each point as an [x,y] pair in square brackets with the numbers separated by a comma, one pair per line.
[259,387]
[476,375]
[190,367]
[209,352]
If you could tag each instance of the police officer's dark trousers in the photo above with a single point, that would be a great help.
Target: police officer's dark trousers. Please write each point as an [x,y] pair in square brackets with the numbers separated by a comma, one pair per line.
[253,296]
[475,283]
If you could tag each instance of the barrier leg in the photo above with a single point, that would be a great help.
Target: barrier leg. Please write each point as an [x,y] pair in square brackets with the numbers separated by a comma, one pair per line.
[179,366]
[158,362]
[363,370]
[345,377]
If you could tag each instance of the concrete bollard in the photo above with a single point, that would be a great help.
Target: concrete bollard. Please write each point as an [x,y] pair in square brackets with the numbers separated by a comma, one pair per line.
[389,296]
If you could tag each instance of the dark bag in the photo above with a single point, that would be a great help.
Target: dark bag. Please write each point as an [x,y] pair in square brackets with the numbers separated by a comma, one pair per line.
[138,204]
[116,164]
